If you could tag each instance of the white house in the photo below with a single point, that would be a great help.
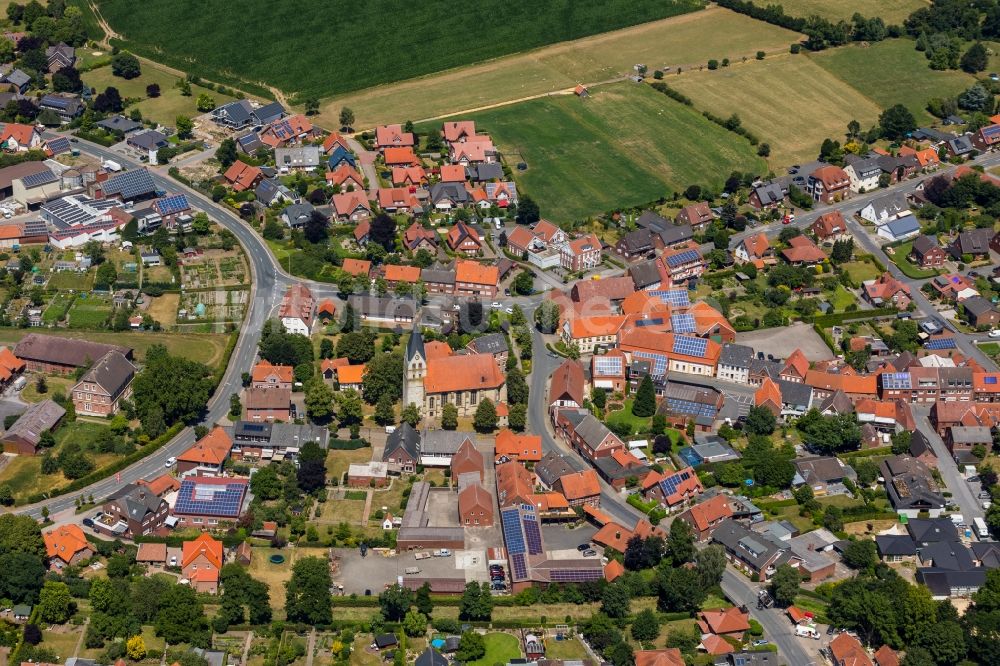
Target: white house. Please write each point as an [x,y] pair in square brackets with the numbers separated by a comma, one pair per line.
[864,173]
[298,307]
[900,229]
[885,209]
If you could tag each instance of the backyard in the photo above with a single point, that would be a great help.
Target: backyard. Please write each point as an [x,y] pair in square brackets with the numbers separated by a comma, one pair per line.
[901,257]
[500,649]
[89,311]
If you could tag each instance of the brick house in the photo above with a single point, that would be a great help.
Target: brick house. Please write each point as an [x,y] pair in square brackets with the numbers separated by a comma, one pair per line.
[52,355]
[101,390]
[201,562]
[265,375]
[828,184]
[268,404]
[132,511]
[65,546]
[208,454]
[463,238]
[581,254]
[475,506]
[475,279]
[466,460]
[926,252]
[586,434]
[698,215]
[402,448]
[705,516]
[580,488]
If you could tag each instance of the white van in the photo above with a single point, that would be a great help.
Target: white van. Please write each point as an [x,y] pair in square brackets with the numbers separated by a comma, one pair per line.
[806,631]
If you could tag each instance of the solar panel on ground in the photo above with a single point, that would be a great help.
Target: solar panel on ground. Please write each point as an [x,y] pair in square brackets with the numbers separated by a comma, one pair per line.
[690,346]
[682,323]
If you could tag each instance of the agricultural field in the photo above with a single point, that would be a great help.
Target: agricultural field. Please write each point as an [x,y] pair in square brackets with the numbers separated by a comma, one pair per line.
[163,109]
[398,45]
[901,77]
[682,41]
[623,146]
[788,101]
[890,11]
[207,348]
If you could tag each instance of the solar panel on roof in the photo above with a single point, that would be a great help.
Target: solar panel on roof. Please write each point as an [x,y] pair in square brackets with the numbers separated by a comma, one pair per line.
[532,535]
[172,205]
[989,379]
[677,298]
[642,323]
[130,184]
[690,346]
[512,535]
[896,380]
[682,323]
[690,407]
[670,484]
[941,343]
[519,566]
[206,499]
[574,575]
[685,257]
[608,365]
[659,362]
[40,178]
[59,145]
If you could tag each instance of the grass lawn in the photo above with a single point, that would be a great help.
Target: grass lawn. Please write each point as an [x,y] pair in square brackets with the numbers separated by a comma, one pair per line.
[54,383]
[900,257]
[24,473]
[275,575]
[901,77]
[568,650]
[206,348]
[989,348]
[712,601]
[163,109]
[841,298]
[890,11]
[682,41]
[861,271]
[57,307]
[626,145]
[337,461]
[500,649]
[788,101]
[89,312]
[338,511]
[72,280]
[638,423]
[62,641]
[164,309]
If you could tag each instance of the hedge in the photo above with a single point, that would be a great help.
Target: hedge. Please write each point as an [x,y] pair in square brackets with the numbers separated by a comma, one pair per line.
[825,321]
[347,444]
[868,453]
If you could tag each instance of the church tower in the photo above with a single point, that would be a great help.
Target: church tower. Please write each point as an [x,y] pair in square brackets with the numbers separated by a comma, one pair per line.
[414,370]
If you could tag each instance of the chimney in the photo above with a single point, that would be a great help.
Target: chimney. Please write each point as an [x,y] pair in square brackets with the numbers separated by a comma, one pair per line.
[618,534]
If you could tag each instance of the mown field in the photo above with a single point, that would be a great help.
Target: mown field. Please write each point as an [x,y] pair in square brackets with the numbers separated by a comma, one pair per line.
[900,77]
[319,48]
[681,41]
[207,348]
[625,145]
[891,11]
[789,101]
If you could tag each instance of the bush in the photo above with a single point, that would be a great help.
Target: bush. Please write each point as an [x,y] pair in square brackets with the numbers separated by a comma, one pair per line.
[755,628]
[795,48]
[713,64]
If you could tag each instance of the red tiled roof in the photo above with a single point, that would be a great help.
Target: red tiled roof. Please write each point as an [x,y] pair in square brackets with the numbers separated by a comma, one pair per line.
[205,545]
[212,449]
[400,157]
[725,620]
[64,542]
[462,373]
[580,485]
[803,250]
[452,173]
[264,369]
[525,448]
[848,651]
[706,513]
[242,175]
[474,272]
[357,266]
[612,570]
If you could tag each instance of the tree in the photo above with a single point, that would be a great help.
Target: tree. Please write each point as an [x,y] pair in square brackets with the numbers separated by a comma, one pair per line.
[710,563]
[449,416]
[135,648]
[645,398]
[383,231]
[21,534]
[517,388]
[976,98]
[547,317]
[311,474]
[317,227]
[185,127]
[226,153]
[760,421]
[785,585]
[23,576]
[67,79]
[680,542]
[833,518]
[411,415]
[55,602]
[153,90]
[346,118]
[307,593]
[646,626]
[485,419]
[311,106]
[679,590]
[394,601]
[266,484]
[385,412]
[975,59]
[415,623]
[106,275]
[383,376]
[422,599]
[829,434]
[125,65]
[471,646]
[180,617]
[319,400]
[896,122]
[357,347]
[109,101]
[524,283]
[205,102]
[476,603]
[169,389]
[901,442]
[616,601]
[527,211]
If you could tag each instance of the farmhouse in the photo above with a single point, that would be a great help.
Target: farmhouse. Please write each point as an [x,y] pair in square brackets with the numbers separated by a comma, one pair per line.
[25,434]
[101,390]
[54,355]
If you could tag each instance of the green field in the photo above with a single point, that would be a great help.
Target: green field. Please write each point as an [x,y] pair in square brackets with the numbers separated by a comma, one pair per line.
[500,649]
[163,109]
[57,307]
[789,101]
[890,11]
[624,146]
[681,42]
[89,312]
[350,47]
[892,72]
[207,348]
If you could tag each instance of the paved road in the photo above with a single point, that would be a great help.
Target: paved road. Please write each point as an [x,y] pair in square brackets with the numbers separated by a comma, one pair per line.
[777,627]
[963,493]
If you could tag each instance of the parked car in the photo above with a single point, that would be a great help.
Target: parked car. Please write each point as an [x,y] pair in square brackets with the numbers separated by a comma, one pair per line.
[994,333]
[496,305]
[87,522]
[984,494]
[583,546]
[590,553]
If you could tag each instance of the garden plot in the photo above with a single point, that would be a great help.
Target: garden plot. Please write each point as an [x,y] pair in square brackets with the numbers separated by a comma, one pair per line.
[219,305]
[213,269]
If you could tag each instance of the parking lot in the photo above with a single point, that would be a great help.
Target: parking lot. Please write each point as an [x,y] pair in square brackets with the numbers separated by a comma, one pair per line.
[559,537]
[373,572]
[780,342]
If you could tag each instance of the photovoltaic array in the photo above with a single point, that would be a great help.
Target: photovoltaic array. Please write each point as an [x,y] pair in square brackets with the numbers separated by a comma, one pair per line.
[682,323]
[690,346]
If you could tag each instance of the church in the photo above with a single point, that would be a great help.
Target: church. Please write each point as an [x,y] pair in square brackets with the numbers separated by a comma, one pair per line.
[464,380]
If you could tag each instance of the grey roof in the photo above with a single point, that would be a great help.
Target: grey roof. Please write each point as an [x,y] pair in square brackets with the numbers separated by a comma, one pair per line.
[441,442]
[238,112]
[37,419]
[611,469]
[736,356]
[18,78]
[415,345]
[909,484]
[552,466]
[924,244]
[484,172]
[947,555]
[438,275]
[823,468]
[903,226]
[269,188]
[971,435]
[119,123]
[837,403]
[755,549]
[297,156]
[987,553]
[862,165]
[136,500]
[431,657]
[752,658]
[771,368]
[932,134]
[795,393]
[382,307]
[961,145]
[941,582]
[249,142]
[454,191]
[269,113]
[974,241]
[491,343]
[150,140]
[644,273]
[919,444]
[404,437]
[977,305]
[130,184]
[591,430]
[899,545]
[213,657]
[297,214]
[113,372]
[771,192]
[891,204]
[640,240]
[650,220]
[929,530]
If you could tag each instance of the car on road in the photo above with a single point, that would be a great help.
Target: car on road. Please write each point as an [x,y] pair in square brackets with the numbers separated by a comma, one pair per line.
[171,461]
[994,333]
[760,641]
[583,546]
[984,495]
[987,504]
[590,553]
[496,305]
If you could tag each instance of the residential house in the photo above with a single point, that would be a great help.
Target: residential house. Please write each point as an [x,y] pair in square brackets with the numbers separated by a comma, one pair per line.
[734,363]
[886,291]
[392,136]
[297,215]
[581,254]
[754,250]
[980,312]
[885,209]
[926,252]
[65,546]
[672,488]
[351,206]
[828,184]
[846,650]
[207,455]
[465,239]
[397,273]
[961,440]
[634,244]
[900,229]
[960,146]
[986,138]
[416,237]
[830,227]
[768,195]
[580,488]
[297,309]
[102,388]
[586,434]
[476,280]
[972,245]
[268,404]
[801,251]
[242,176]
[266,375]
[475,506]
[147,144]
[438,280]
[682,264]
[398,200]
[864,172]
[911,488]
[402,448]
[566,387]
[201,562]
[18,79]
[467,460]
[698,215]
[608,371]
[207,502]
[494,344]
[705,516]
[824,474]
[341,157]
[19,138]
[131,511]
[590,333]
[521,447]
[346,178]
[515,484]
[297,158]
[292,129]
[67,107]
[59,56]
[403,156]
